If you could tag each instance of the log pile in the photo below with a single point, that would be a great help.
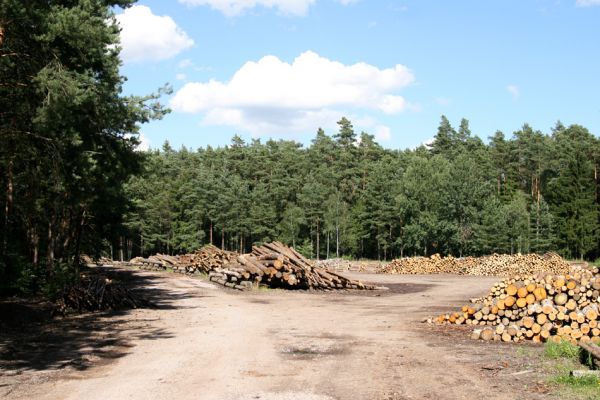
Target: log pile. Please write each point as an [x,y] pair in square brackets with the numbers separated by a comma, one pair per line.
[96,293]
[207,259]
[335,264]
[493,265]
[538,307]
[278,266]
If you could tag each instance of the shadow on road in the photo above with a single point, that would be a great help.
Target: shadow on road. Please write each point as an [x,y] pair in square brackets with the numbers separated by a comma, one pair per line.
[30,339]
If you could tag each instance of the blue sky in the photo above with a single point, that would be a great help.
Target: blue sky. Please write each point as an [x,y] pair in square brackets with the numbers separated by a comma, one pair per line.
[282,68]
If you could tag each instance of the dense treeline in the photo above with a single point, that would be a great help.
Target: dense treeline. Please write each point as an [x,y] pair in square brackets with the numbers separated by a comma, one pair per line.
[67,140]
[67,137]
[346,195]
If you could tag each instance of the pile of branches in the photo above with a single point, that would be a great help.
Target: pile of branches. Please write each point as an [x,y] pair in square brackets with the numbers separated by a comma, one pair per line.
[493,265]
[537,307]
[278,266]
[95,292]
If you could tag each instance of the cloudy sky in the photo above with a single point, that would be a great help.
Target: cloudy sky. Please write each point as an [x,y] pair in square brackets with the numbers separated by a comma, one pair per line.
[283,68]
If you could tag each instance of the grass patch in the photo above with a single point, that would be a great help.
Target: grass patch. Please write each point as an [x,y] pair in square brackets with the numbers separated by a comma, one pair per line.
[562,349]
[578,382]
[577,388]
[566,357]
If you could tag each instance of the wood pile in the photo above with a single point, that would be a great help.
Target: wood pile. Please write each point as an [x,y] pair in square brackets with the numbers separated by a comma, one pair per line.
[278,266]
[538,307]
[334,264]
[207,259]
[96,293]
[493,265]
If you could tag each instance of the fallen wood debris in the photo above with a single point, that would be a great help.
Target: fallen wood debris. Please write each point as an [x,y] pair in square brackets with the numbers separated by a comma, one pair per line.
[493,265]
[594,352]
[538,307]
[278,266]
[96,293]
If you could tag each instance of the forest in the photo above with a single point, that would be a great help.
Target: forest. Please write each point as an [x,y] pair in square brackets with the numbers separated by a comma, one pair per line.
[72,181]
[346,195]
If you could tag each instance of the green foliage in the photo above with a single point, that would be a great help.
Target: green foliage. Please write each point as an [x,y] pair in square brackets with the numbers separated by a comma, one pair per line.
[563,349]
[343,198]
[592,382]
[68,135]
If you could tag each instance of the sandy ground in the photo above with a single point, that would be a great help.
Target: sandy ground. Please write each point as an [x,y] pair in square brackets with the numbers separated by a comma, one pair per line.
[205,342]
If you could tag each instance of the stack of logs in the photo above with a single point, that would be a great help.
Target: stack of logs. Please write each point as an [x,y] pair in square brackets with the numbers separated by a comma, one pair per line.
[207,259]
[204,260]
[537,307]
[493,265]
[278,266]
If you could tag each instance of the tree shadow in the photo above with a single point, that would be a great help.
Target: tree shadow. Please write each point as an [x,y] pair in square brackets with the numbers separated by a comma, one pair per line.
[32,340]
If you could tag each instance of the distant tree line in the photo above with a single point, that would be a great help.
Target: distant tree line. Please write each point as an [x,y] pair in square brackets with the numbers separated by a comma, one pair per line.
[71,181]
[346,195]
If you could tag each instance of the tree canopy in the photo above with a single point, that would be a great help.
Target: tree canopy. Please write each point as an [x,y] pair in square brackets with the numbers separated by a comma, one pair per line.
[345,195]
[68,134]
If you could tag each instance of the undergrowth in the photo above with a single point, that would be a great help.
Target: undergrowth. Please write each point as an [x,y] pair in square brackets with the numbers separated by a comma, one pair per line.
[568,357]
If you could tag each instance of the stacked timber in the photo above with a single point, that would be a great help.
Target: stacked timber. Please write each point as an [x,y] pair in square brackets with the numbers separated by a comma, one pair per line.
[207,259]
[537,307]
[156,262]
[335,264]
[493,265]
[278,266]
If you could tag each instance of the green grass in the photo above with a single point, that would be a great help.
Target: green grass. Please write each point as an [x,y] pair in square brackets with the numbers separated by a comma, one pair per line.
[566,357]
[577,388]
[563,349]
[578,382]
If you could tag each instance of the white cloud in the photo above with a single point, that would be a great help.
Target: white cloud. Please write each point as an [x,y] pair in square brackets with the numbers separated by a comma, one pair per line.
[233,8]
[144,143]
[272,96]
[145,36]
[383,133]
[180,77]
[587,3]
[514,91]
[441,101]
[185,63]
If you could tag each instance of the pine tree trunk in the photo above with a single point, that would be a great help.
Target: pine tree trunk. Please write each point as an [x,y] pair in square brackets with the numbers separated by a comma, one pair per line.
[8,205]
[222,239]
[210,234]
[318,240]
[337,240]
[121,248]
[327,256]
[78,233]
[50,248]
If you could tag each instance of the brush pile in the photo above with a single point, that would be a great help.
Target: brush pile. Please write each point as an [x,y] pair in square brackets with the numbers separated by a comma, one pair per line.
[278,266]
[537,307]
[96,293]
[493,265]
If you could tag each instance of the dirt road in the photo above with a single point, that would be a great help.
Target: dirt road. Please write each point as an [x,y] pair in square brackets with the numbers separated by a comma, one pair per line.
[205,342]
